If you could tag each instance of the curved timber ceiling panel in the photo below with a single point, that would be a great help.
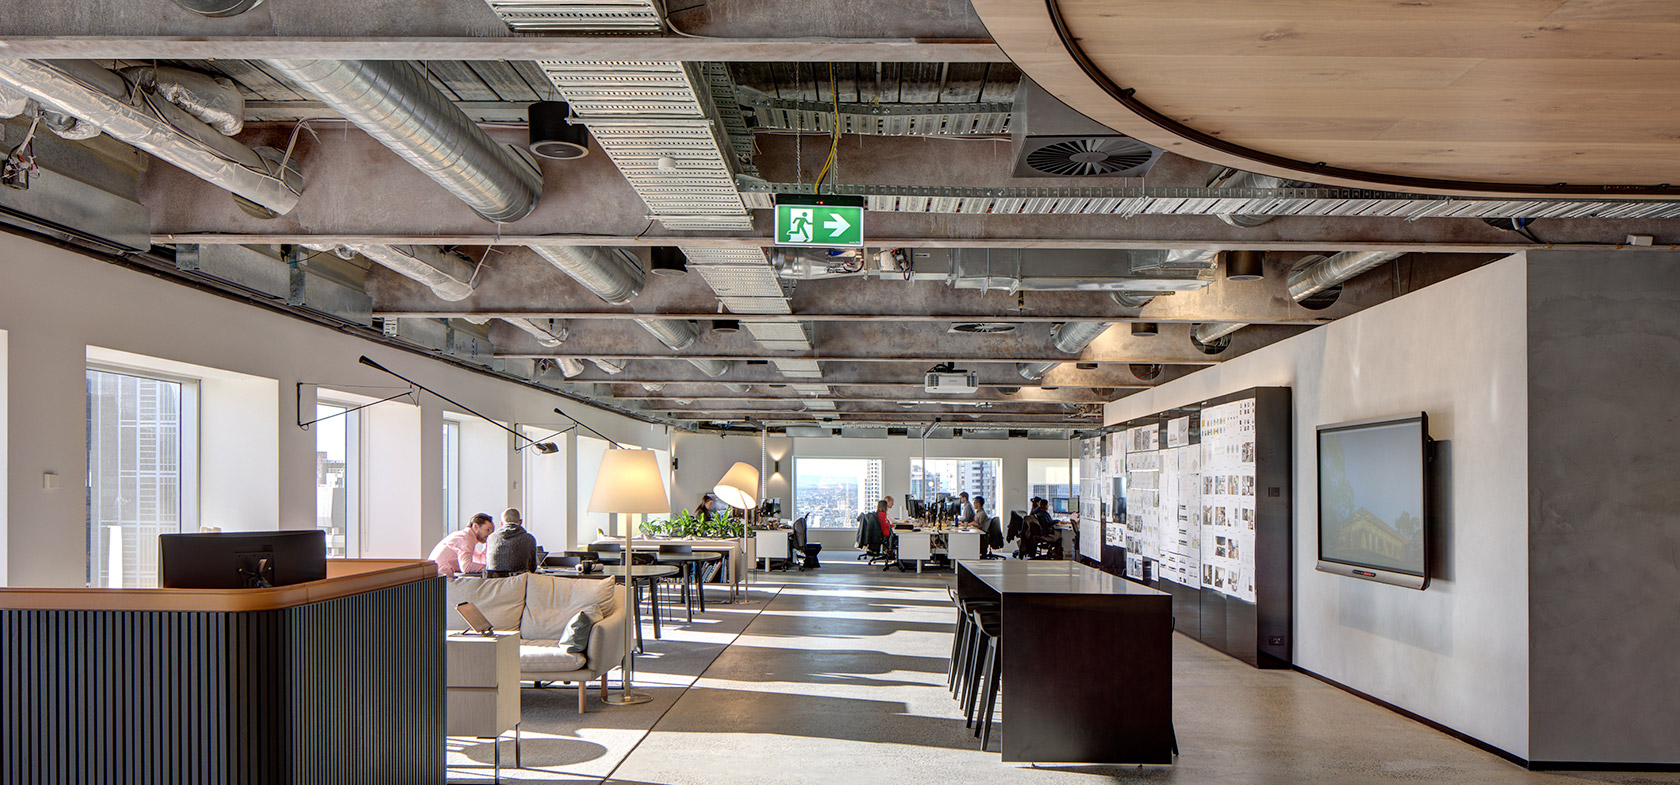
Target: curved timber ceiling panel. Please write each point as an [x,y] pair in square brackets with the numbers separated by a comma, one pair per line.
[1534,97]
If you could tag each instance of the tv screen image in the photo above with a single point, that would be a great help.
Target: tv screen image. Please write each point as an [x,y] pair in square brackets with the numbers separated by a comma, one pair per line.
[1372,492]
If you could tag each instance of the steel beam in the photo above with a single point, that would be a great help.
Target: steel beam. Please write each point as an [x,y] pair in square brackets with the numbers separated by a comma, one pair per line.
[890,343]
[838,376]
[359,192]
[720,30]
[516,285]
[862,393]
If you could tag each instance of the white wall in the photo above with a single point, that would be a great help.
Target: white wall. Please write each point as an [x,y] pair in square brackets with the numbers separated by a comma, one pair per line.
[5,537]
[484,470]
[55,303]
[1458,652]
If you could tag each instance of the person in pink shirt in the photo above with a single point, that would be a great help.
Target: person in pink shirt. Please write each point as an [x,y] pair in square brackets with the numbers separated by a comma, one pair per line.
[463,551]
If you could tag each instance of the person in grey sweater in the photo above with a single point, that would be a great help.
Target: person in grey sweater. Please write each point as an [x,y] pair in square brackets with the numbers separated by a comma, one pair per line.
[510,549]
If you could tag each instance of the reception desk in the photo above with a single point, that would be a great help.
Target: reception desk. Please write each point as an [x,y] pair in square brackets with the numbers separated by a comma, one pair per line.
[1087,662]
[338,680]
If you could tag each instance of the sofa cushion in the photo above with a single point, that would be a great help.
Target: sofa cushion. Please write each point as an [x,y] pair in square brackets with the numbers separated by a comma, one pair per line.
[551,602]
[546,656]
[501,600]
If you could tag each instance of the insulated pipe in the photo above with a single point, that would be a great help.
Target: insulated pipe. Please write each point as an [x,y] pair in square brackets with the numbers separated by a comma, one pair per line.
[395,105]
[445,274]
[613,275]
[1311,279]
[547,336]
[101,98]
[680,335]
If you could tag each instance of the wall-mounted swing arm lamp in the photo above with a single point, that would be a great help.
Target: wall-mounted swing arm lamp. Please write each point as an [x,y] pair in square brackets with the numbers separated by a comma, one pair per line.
[586,427]
[546,448]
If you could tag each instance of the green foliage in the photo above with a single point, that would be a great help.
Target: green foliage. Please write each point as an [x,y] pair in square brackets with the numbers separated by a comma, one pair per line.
[684,524]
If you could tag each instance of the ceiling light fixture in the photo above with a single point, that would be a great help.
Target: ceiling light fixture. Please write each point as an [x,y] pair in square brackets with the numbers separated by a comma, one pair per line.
[1245,266]
[553,135]
[1145,329]
[726,326]
[668,260]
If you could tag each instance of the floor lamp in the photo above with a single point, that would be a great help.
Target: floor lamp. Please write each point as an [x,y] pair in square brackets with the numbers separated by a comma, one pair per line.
[629,482]
[739,489]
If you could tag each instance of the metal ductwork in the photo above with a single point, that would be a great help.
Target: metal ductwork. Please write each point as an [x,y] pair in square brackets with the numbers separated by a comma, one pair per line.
[1070,337]
[447,275]
[1208,332]
[617,277]
[1065,270]
[218,7]
[1316,275]
[1134,299]
[1307,280]
[1234,178]
[613,275]
[105,100]
[570,367]
[394,104]
[610,366]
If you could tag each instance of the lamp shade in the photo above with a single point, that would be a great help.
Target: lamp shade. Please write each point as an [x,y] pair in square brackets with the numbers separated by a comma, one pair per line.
[629,482]
[739,486]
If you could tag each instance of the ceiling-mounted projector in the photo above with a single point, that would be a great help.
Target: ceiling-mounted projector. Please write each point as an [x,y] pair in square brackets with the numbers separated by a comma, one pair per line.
[951,382]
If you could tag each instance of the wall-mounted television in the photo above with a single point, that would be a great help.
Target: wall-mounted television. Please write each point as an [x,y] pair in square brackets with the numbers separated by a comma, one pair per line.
[1373,492]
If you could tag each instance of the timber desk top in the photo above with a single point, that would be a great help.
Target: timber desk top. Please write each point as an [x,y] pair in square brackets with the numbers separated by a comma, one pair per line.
[345,577]
[1008,576]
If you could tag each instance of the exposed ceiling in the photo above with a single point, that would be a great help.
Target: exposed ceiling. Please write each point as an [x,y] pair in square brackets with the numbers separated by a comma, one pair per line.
[1057,292]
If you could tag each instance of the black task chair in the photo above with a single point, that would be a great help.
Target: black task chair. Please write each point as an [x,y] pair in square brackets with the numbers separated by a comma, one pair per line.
[992,540]
[803,550]
[876,547]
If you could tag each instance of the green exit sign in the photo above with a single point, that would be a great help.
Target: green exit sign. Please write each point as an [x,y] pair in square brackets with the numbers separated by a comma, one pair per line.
[819,225]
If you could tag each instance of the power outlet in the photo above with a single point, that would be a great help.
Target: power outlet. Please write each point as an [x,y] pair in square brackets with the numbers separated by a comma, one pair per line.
[1275,640]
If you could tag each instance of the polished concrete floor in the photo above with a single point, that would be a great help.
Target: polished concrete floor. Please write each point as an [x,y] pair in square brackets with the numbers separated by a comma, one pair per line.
[838,676]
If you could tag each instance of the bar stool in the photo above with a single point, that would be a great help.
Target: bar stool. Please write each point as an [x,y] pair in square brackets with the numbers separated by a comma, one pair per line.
[981,643]
[965,647]
[990,630]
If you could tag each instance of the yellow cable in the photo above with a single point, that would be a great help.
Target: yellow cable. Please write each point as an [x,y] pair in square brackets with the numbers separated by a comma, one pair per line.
[834,136]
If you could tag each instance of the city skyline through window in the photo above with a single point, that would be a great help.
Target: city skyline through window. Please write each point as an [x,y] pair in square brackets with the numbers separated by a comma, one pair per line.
[831,492]
[955,475]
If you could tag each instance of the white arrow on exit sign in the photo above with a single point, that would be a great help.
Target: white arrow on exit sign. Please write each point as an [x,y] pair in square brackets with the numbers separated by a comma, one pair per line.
[836,225]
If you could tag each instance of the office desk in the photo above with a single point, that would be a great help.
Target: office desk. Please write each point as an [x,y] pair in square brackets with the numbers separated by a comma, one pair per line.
[1087,662]
[734,551]
[338,680]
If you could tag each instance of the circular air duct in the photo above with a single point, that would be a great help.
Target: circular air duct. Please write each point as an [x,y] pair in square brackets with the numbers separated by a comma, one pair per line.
[1145,329]
[553,136]
[1244,266]
[668,260]
[218,7]
[726,326]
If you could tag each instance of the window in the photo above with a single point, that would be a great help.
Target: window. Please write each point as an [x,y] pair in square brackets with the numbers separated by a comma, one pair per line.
[955,475]
[1050,478]
[141,481]
[831,492]
[590,452]
[452,519]
[337,482]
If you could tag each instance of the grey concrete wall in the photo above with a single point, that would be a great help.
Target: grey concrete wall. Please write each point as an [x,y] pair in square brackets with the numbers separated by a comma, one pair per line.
[1604,507]
[1457,653]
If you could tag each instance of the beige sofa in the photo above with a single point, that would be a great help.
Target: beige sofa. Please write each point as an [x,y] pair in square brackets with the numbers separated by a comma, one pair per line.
[538,607]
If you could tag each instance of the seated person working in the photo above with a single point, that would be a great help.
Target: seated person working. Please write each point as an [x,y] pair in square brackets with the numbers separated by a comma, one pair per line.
[511,549]
[463,551]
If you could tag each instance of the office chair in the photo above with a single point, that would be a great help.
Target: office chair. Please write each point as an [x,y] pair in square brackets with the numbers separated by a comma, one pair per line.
[804,550]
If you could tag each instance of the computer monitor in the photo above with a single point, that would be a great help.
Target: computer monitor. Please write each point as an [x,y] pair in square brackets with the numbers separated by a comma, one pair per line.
[241,560]
[916,508]
[1059,505]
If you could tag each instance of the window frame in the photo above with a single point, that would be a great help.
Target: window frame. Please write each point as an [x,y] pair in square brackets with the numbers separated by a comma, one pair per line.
[793,487]
[354,463]
[188,447]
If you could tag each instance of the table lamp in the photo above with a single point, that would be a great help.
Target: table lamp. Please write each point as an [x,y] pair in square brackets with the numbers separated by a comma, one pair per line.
[629,482]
